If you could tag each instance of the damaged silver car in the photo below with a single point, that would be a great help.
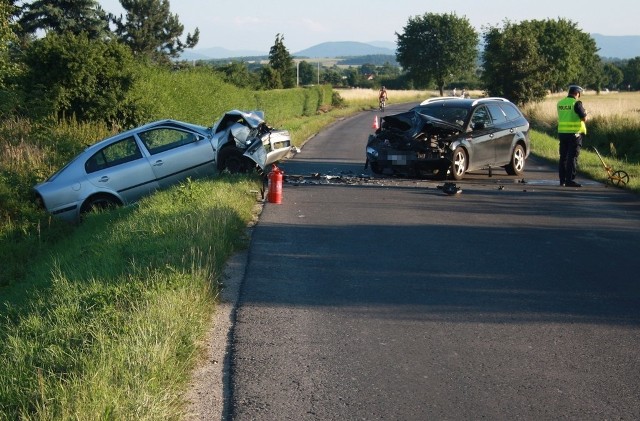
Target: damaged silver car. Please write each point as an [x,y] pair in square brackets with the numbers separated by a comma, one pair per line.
[121,169]
[450,136]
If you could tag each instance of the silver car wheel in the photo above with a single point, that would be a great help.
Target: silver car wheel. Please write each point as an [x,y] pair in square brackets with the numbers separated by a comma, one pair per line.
[459,164]
[516,165]
[518,159]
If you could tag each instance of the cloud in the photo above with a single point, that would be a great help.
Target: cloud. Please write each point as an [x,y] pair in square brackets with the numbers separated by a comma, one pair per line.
[246,20]
[314,26]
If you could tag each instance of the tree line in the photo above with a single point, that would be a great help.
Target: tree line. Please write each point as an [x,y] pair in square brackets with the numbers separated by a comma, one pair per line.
[72,58]
[521,61]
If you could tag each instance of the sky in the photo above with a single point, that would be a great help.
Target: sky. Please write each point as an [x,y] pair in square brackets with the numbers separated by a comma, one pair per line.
[253,25]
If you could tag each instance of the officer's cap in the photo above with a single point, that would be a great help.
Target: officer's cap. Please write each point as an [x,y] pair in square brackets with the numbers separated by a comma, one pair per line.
[575,89]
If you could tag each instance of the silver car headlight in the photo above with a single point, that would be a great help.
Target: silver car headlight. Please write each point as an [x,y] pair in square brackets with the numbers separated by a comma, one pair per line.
[371,152]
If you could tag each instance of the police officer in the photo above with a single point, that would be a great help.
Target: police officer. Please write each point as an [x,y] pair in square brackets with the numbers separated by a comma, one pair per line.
[571,129]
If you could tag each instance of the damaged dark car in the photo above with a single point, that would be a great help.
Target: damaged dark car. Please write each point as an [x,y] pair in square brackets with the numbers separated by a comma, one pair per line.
[447,137]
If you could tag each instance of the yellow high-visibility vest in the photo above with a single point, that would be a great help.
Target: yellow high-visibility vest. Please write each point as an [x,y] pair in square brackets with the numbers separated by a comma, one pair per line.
[568,120]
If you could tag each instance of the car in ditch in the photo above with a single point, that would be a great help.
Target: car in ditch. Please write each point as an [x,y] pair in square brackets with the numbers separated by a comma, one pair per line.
[121,169]
[449,136]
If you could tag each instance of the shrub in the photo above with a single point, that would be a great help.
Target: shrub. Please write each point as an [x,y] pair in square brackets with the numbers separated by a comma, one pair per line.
[71,75]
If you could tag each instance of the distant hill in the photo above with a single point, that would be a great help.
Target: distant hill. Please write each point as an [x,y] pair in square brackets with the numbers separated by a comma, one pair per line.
[343,49]
[391,45]
[623,46]
[219,53]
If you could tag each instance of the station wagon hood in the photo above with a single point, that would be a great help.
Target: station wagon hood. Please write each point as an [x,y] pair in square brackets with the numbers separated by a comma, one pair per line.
[413,123]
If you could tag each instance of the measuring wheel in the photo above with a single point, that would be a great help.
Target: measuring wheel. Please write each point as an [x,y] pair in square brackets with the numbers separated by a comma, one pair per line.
[619,178]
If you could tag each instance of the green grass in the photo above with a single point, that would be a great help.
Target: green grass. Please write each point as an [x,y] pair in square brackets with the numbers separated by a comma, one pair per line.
[589,165]
[109,326]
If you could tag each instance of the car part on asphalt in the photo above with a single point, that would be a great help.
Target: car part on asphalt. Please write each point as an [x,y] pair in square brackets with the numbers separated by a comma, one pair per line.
[450,189]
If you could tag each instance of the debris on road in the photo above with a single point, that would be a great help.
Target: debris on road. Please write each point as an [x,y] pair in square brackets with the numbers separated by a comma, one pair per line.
[450,189]
[342,178]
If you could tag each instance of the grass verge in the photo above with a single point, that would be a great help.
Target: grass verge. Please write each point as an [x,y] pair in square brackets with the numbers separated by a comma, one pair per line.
[109,326]
[589,165]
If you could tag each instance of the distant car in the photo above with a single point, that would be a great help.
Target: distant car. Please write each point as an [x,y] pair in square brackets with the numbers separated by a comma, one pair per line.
[121,169]
[449,136]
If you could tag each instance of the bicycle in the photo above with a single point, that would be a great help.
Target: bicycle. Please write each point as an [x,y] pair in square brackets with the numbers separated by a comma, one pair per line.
[383,104]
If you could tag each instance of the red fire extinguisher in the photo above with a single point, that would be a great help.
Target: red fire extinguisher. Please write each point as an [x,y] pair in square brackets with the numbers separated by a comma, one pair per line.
[275,177]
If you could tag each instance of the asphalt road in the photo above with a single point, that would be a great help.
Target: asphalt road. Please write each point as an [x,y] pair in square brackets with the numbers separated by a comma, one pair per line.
[383,298]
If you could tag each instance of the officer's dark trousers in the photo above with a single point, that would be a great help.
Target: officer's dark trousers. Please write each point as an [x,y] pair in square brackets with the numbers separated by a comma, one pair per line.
[570,145]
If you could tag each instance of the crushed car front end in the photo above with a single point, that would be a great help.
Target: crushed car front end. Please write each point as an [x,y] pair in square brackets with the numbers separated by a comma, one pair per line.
[245,133]
[411,144]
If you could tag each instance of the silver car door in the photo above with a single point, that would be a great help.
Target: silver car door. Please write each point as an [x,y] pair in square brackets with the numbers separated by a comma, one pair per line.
[175,154]
[120,167]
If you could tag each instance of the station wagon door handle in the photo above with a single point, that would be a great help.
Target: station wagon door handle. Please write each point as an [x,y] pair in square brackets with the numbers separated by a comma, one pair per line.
[103,179]
[158,163]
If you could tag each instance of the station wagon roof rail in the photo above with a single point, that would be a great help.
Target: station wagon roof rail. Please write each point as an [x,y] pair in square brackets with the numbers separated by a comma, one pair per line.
[492,98]
[438,99]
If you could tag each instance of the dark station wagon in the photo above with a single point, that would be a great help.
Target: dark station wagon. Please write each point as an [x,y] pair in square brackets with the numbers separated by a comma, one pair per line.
[448,136]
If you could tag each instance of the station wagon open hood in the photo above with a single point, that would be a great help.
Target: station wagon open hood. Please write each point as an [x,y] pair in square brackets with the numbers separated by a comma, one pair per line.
[412,123]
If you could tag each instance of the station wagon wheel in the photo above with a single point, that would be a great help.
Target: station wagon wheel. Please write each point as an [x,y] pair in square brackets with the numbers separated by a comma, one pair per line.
[459,163]
[99,203]
[516,165]
[232,160]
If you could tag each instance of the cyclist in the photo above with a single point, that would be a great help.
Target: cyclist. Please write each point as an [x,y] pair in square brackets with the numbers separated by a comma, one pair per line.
[382,97]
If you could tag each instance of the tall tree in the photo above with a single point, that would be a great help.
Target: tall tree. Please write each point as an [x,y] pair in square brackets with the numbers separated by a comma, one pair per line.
[65,16]
[523,61]
[72,75]
[7,37]
[307,73]
[512,65]
[632,74]
[571,53]
[237,73]
[151,30]
[437,48]
[281,62]
[270,78]
[613,75]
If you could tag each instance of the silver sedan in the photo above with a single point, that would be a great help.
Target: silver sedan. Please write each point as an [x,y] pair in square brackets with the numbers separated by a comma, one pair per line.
[121,169]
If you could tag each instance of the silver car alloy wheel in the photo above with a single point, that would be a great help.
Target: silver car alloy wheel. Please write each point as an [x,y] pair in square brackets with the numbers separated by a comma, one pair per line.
[459,163]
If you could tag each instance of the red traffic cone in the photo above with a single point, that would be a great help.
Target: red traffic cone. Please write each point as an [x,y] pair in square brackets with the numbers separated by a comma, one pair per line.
[375,123]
